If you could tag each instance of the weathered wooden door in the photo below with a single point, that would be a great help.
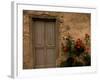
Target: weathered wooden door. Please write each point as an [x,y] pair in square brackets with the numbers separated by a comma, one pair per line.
[44,43]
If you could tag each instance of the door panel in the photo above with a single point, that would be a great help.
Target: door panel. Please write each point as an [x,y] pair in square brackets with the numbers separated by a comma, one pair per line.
[51,57]
[39,33]
[39,58]
[50,33]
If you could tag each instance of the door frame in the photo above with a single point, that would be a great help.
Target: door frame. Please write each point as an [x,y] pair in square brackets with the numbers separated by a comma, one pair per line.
[31,17]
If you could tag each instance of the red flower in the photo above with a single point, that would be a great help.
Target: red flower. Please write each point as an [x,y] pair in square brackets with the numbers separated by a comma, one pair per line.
[78,46]
[65,49]
[79,42]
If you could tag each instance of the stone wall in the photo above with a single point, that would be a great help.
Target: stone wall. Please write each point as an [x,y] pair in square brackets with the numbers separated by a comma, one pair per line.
[75,24]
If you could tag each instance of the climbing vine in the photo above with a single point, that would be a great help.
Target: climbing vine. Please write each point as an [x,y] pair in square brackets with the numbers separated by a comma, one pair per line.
[77,51]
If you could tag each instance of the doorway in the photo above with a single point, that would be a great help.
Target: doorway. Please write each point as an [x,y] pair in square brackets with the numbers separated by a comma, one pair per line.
[44,42]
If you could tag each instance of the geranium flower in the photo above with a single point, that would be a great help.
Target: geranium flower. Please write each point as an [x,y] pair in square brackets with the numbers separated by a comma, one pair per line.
[79,46]
[65,49]
[79,42]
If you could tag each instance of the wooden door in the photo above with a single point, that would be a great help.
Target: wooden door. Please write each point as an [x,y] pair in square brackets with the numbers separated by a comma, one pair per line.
[44,43]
